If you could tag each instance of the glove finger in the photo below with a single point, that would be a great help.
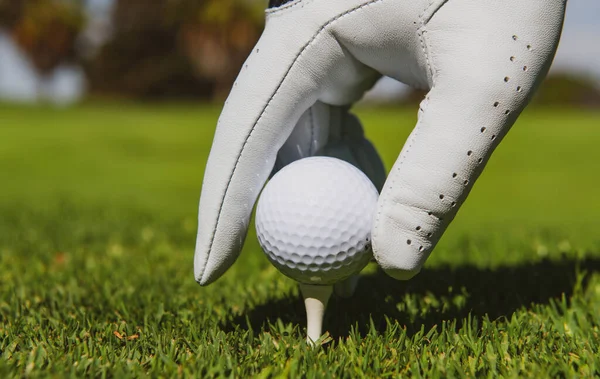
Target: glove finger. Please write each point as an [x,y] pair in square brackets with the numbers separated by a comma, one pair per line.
[476,97]
[310,134]
[367,157]
[259,114]
[332,131]
[347,142]
[296,62]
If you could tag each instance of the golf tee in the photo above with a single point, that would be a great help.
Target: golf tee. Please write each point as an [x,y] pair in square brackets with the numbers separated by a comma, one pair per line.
[315,301]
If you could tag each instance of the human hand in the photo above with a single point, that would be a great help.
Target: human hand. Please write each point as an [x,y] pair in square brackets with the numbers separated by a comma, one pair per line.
[481,61]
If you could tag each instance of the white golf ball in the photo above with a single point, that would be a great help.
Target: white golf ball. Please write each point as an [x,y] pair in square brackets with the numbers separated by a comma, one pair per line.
[314,219]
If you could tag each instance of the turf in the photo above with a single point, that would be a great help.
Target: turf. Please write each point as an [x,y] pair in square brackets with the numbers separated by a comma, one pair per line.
[97,227]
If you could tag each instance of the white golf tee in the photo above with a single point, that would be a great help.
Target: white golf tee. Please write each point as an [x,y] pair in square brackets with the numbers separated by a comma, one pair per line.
[315,301]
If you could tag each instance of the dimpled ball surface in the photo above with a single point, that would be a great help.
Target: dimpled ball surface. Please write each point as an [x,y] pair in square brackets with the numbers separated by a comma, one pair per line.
[314,218]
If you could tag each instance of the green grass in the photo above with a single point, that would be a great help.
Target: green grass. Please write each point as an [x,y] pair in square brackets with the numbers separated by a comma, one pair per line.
[97,228]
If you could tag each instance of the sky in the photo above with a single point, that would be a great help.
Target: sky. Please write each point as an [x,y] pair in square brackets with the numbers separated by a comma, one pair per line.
[579,48]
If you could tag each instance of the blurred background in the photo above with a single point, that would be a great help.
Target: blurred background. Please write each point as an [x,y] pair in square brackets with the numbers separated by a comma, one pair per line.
[107,114]
[108,110]
[63,51]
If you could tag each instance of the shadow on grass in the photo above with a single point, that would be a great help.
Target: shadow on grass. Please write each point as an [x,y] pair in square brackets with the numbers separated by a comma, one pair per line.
[435,295]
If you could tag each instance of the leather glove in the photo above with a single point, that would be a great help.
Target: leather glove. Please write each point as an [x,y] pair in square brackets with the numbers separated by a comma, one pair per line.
[332,131]
[480,60]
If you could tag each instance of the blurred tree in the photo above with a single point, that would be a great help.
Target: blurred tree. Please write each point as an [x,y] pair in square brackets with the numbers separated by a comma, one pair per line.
[46,30]
[218,37]
[567,90]
[176,48]
[10,12]
[142,58]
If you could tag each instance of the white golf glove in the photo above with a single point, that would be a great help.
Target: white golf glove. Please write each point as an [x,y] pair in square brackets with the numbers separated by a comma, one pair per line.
[481,61]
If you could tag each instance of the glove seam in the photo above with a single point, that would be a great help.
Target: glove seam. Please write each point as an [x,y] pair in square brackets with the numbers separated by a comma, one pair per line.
[391,186]
[428,12]
[421,32]
[302,50]
[426,15]
[402,158]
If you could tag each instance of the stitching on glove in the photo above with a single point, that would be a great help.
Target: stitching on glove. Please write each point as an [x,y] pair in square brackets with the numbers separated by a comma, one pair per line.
[392,184]
[430,10]
[420,32]
[310,41]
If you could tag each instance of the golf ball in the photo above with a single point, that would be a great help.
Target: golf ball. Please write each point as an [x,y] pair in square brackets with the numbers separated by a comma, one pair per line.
[314,218]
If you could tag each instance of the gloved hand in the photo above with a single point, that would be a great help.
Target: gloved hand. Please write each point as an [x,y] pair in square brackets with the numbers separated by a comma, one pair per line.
[481,61]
